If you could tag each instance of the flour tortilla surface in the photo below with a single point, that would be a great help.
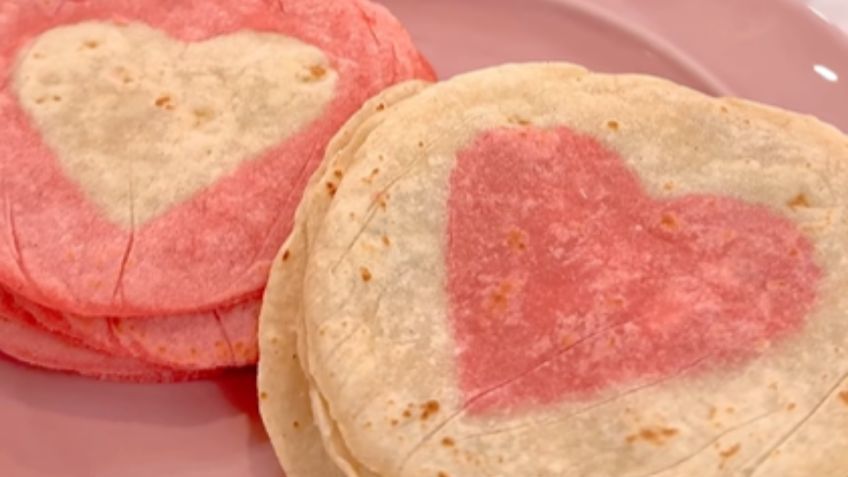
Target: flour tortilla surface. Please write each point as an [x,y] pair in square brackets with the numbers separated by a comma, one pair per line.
[700,244]
[283,383]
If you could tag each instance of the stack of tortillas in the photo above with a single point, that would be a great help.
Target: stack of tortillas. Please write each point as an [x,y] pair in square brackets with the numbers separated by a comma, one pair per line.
[538,271]
[152,154]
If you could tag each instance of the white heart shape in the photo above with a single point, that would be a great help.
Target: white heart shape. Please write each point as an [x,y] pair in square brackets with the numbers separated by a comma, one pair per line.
[142,121]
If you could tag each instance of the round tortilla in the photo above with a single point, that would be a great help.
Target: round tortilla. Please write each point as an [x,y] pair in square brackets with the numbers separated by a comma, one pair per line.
[218,339]
[282,381]
[705,337]
[113,223]
[23,340]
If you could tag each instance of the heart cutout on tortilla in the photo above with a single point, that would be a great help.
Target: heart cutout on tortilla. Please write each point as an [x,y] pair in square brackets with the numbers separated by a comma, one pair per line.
[565,278]
[141,121]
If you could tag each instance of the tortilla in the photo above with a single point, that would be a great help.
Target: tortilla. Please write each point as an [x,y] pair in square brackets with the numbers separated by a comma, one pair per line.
[282,383]
[201,123]
[22,340]
[217,339]
[555,272]
[110,219]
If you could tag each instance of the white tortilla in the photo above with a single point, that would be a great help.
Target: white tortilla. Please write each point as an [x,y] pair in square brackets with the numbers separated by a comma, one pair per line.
[380,346]
[283,386]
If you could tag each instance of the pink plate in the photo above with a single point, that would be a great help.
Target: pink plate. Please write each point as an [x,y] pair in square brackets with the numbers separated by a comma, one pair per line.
[784,52]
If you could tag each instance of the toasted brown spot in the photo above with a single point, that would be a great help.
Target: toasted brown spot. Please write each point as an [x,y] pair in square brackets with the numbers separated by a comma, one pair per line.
[517,240]
[844,397]
[381,107]
[164,102]
[338,173]
[407,413]
[669,221]
[263,395]
[723,109]
[500,298]
[386,240]
[448,442]
[668,186]
[428,409]
[365,274]
[791,406]
[317,72]
[370,178]
[420,143]
[382,200]
[393,422]
[730,452]
[296,424]
[613,125]
[519,121]
[332,189]
[91,44]
[56,99]
[653,435]
[442,474]
[41,100]
[799,202]
[286,255]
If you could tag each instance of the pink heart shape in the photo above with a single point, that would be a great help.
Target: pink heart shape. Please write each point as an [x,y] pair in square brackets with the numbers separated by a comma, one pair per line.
[565,278]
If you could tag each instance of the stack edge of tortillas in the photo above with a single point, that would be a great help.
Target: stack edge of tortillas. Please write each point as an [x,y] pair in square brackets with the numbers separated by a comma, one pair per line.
[152,155]
[535,270]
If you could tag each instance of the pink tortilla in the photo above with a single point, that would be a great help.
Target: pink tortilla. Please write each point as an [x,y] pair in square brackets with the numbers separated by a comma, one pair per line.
[652,286]
[203,341]
[217,339]
[24,341]
[207,251]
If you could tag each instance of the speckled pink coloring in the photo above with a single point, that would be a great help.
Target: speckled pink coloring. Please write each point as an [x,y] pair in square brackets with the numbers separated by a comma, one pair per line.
[566,279]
